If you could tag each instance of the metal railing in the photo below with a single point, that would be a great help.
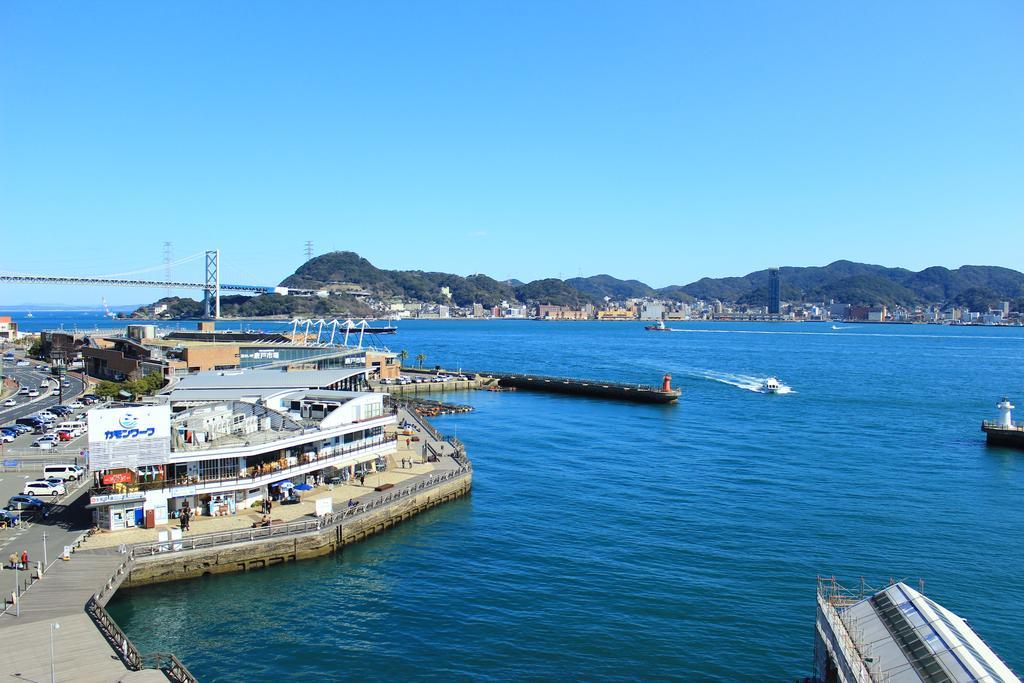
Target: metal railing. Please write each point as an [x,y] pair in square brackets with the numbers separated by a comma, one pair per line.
[992,424]
[166,662]
[419,419]
[324,523]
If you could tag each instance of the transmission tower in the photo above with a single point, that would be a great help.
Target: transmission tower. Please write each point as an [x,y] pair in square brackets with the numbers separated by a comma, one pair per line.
[309,249]
[167,265]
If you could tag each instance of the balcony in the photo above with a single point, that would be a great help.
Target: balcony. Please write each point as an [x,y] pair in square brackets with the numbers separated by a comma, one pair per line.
[270,473]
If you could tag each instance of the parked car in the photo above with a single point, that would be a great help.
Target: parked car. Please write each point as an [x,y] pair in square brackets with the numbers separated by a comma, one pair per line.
[41,487]
[10,402]
[64,472]
[23,502]
[19,428]
[65,435]
[43,445]
[77,405]
[8,518]
[6,437]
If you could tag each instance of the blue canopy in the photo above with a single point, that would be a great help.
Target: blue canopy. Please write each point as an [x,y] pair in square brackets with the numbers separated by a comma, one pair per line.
[303,487]
[284,484]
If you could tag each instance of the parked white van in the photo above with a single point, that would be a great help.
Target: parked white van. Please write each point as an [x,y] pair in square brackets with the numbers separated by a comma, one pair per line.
[65,472]
[75,427]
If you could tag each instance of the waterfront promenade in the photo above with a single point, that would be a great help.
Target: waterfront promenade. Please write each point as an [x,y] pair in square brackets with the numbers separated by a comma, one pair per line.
[89,646]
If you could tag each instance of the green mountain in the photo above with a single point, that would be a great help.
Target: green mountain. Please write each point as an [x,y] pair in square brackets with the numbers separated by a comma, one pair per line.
[977,287]
[598,287]
[861,283]
[331,270]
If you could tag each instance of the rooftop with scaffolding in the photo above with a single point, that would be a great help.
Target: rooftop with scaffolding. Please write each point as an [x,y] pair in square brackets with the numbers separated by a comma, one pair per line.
[897,635]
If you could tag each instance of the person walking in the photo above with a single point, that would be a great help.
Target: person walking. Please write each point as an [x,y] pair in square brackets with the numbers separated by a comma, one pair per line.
[13,561]
[24,559]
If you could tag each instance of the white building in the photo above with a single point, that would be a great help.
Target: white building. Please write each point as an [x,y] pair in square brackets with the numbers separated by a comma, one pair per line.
[226,440]
[652,310]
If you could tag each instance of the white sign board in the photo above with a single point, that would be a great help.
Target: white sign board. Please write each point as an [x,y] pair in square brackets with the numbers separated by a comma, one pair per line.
[129,437]
[324,506]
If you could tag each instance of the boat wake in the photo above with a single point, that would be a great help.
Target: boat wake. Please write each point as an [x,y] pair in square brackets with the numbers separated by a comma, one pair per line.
[747,382]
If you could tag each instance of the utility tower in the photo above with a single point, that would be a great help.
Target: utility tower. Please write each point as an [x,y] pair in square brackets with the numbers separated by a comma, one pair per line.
[167,265]
[309,249]
[211,295]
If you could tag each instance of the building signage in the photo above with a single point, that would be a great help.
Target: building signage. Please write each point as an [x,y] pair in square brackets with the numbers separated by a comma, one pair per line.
[116,498]
[129,437]
[262,355]
[119,478]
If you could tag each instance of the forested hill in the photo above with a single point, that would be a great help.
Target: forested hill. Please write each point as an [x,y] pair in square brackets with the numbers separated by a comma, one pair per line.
[976,287]
[845,281]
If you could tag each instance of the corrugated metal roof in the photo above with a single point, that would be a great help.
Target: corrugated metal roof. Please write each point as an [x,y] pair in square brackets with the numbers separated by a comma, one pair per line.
[265,379]
[909,638]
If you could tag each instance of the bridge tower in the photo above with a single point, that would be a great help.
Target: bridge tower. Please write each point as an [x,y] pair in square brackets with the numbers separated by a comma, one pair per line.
[211,294]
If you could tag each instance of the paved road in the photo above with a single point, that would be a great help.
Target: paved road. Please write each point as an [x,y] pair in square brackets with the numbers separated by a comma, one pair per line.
[21,448]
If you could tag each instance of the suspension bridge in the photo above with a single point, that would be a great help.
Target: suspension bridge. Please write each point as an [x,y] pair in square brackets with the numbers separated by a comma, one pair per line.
[211,286]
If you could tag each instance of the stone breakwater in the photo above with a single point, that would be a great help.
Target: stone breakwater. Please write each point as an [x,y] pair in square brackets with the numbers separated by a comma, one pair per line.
[244,555]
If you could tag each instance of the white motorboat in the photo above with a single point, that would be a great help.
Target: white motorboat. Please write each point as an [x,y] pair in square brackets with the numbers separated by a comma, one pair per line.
[771,386]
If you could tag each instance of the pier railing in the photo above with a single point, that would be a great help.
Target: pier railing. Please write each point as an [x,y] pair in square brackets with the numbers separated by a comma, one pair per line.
[276,531]
[992,424]
[166,662]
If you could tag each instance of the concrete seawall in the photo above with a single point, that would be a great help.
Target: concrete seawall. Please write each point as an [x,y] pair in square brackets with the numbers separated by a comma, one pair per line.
[245,556]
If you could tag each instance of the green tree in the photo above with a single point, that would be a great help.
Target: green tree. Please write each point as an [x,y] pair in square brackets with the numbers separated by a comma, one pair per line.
[403,356]
[420,358]
[107,389]
[36,350]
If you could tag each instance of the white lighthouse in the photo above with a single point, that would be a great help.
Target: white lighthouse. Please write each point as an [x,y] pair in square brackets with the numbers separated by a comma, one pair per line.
[1005,416]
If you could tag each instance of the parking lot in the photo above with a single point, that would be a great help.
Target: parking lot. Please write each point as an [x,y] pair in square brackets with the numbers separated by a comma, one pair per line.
[62,520]
[21,452]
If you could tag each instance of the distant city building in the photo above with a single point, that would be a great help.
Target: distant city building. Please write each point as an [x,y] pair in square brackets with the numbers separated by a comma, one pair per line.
[774,297]
[652,310]
[443,311]
[8,328]
[877,314]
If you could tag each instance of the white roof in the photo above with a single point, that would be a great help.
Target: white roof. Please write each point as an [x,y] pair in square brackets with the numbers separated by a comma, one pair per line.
[264,379]
[913,639]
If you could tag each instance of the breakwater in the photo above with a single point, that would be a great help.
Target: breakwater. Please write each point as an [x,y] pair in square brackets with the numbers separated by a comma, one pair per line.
[248,549]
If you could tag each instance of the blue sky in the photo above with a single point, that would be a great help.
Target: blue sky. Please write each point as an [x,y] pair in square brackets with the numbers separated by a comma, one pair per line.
[664,141]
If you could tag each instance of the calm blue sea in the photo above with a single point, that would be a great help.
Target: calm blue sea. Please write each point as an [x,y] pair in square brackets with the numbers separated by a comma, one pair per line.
[607,540]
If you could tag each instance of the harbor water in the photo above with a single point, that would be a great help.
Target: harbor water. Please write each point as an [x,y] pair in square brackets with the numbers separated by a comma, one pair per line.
[617,541]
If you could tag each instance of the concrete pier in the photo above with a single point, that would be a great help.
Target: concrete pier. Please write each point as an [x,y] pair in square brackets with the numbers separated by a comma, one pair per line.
[88,644]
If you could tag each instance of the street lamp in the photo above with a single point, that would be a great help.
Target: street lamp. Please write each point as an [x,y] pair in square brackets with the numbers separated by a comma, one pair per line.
[53,671]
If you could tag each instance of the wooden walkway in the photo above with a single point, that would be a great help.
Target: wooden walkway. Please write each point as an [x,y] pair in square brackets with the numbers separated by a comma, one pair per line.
[81,652]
